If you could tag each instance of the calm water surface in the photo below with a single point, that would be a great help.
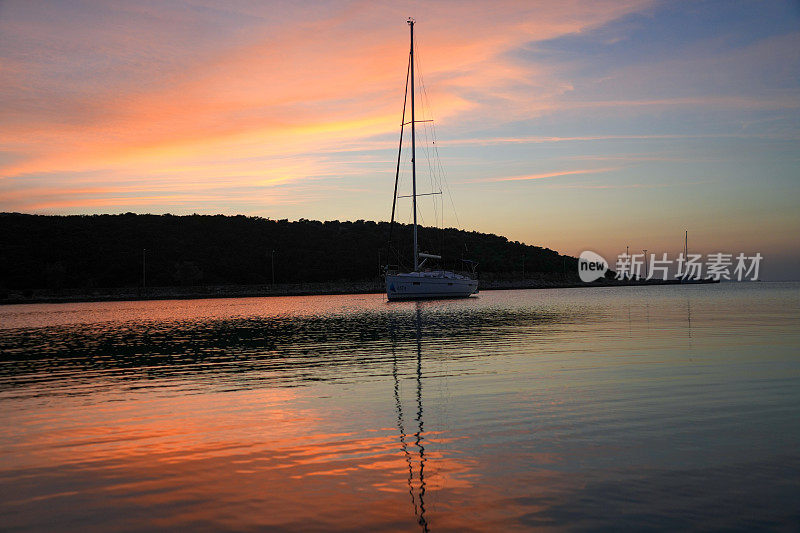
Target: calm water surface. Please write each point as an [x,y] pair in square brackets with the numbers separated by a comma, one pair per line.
[626,408]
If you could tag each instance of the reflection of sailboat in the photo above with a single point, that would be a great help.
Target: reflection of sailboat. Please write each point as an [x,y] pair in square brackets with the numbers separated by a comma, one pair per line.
[421,283]
[417,493]
[689,316]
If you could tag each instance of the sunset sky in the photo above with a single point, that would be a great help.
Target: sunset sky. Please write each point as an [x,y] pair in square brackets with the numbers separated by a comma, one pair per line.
[573,125]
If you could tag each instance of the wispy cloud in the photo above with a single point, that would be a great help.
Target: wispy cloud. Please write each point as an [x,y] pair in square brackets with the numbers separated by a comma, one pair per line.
[549,174]
[609,186]
[712,101]
[543,139]
[152,96]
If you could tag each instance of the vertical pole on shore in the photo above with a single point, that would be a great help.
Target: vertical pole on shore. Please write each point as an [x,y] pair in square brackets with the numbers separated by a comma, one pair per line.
[144,268]
[645,264]
[272,265]
[627,256]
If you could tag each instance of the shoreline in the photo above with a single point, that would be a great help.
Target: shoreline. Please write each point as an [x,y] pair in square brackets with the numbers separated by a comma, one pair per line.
[37,296]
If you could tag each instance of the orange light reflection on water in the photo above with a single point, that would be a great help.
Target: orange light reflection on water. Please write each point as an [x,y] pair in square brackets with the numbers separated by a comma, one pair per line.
[234,459]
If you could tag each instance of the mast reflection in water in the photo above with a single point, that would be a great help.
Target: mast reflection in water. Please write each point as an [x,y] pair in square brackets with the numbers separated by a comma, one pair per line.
[417,500]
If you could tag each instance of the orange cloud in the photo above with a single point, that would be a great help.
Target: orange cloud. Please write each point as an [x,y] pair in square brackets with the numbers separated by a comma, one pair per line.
[156,100]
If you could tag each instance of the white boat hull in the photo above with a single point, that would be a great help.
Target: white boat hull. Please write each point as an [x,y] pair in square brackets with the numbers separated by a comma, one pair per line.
[418,286]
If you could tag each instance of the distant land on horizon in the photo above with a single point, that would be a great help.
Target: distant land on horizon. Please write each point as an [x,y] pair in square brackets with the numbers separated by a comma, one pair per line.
[88,251]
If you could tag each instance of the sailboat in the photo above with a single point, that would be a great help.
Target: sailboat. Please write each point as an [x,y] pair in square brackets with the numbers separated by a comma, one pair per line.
[421,283]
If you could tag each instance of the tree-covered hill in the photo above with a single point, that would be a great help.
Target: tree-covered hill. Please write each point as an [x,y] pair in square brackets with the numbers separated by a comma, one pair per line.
[84,251]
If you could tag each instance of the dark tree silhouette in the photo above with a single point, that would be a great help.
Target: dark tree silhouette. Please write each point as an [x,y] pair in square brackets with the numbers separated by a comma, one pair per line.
[84,251]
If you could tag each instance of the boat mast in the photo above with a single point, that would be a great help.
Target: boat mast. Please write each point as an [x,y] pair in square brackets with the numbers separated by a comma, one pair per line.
[397,170]
[413,151]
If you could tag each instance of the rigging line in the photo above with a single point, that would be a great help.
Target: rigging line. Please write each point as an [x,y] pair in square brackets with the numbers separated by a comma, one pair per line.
[431,171]
[439,171]
[424,145]
[399,152]
[430,141]
[444,184]
[425,242]
[441,174]
[431,177]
